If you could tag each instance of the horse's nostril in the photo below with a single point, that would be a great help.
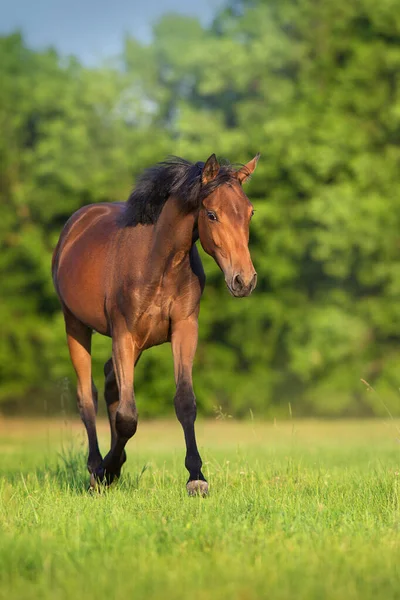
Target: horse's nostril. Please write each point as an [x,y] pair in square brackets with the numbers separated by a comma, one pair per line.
[253,282]
[237,282]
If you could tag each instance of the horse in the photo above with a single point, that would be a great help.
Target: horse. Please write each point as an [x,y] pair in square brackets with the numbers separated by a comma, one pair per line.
[131,271]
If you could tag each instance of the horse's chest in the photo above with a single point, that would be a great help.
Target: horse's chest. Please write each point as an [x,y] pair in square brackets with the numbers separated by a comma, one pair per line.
[155,311]
[151,322]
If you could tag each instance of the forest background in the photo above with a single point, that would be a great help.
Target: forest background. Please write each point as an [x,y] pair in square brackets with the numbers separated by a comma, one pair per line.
[315,87]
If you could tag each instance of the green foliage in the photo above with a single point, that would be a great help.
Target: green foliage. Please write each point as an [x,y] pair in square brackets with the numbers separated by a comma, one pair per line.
[315,88]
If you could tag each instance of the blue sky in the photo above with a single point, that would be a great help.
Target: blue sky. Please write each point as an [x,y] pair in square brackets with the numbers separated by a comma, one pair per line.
[92,29]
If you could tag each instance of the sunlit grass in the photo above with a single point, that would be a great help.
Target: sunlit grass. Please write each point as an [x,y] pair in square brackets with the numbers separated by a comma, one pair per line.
[299,509]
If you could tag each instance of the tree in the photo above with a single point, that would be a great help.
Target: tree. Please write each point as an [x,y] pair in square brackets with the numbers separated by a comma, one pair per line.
[312,85]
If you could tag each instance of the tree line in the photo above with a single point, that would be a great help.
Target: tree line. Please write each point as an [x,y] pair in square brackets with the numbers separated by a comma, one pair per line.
[315,87]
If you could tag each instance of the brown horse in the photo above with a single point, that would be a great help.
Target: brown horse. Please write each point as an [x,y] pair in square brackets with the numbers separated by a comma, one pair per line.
[131,271]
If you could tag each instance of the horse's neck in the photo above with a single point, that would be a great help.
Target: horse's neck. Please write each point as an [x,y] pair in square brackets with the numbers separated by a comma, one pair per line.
[174,233]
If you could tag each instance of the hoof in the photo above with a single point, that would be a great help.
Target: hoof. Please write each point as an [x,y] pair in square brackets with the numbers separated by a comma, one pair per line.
[95,483]
[101,480]
[197,487]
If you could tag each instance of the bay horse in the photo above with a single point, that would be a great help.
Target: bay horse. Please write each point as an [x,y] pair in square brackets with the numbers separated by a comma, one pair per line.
[131,271]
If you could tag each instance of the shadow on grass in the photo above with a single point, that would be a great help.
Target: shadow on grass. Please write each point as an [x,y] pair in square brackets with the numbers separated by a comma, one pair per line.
[70,474]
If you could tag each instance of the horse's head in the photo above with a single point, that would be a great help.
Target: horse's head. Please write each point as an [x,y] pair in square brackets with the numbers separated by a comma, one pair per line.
[224,221]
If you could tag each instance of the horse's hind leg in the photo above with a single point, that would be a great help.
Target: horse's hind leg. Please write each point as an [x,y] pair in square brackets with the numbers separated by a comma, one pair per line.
[79,343]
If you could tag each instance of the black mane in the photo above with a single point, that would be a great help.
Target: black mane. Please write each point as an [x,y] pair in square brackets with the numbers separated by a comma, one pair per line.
[174,176]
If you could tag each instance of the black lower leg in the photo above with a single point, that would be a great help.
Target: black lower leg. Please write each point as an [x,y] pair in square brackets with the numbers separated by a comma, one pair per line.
[111,395]
[125,427]
[185,407]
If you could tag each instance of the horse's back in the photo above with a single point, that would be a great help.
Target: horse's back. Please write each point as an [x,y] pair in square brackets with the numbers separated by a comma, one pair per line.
[80,262]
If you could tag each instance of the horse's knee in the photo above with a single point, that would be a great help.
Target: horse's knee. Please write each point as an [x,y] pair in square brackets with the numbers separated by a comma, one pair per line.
[126,420]
[185,403]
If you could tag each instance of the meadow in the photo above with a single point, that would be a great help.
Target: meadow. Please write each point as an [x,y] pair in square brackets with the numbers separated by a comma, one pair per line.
[299,509]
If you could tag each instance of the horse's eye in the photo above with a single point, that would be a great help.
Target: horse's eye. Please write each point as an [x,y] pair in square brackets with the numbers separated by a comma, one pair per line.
[211,215]
[252,213]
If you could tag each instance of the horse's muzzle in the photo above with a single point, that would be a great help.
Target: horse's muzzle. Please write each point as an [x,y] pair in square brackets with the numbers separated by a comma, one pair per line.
[239,287]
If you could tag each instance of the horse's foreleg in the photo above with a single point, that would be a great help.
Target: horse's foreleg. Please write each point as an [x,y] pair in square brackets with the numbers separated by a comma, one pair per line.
[120,403]
[79,343]
[111,395]
[184,342]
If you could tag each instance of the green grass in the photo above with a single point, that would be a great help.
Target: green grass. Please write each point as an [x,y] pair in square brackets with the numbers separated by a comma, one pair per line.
[309,511]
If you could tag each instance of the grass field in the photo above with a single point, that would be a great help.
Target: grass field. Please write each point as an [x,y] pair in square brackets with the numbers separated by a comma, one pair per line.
[305,510]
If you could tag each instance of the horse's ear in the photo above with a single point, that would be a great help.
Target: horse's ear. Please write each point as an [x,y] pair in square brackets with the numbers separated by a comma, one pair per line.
[245,172]
[210,169]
